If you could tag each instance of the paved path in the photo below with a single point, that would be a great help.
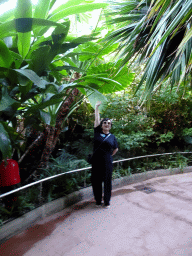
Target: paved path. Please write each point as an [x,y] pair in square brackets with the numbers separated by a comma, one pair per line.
[137,223]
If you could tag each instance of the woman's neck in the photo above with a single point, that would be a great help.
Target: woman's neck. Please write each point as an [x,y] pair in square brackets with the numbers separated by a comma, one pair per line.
[106,131]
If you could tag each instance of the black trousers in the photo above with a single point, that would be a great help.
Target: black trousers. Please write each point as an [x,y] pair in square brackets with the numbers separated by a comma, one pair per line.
[102,172]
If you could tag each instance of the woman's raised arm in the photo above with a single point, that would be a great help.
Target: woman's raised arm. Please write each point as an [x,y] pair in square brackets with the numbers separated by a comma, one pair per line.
[97,116]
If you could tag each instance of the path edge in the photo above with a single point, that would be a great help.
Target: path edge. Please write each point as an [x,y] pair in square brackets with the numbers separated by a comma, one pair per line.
[29,219]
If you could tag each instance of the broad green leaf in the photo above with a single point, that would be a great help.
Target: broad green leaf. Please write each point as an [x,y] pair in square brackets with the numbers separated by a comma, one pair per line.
[41,12]
[5,143]
[5,55]
[88,56]
[124,77]
[70,62]
[59,34]
[8,28]
[43,56]
[46,117]
[51,88]
[54,100]
[24,10]
[78,54]
[70,68]
[31,75]
[17,59]
[56,64]
[70,3]
[109,78]
[84,39]
[8,15]
[77,9]
[39,59]
[80,87]
[108,50]
[48,23]
[42,9]
[24,42]
[65,47]
[52,3]
[97,96]
[6,100]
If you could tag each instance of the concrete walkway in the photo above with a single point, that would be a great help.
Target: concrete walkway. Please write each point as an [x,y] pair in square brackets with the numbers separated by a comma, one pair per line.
[153,222]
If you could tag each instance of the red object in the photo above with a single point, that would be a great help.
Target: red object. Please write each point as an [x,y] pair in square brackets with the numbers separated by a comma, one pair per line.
[9,175]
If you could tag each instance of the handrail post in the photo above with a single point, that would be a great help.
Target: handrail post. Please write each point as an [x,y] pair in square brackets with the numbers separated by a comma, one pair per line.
[40,193]
[85,185]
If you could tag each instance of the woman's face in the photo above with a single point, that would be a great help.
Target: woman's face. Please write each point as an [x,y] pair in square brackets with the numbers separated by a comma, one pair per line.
[106,125]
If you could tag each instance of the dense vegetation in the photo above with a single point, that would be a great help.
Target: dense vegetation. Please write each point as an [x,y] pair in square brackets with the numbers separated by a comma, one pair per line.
[50,83]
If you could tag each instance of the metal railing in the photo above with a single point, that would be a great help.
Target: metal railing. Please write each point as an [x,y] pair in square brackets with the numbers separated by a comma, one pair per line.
[82,169]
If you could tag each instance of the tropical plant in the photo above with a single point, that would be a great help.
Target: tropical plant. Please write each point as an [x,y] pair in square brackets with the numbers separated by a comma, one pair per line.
[19,85]
[39,81]
[158,34]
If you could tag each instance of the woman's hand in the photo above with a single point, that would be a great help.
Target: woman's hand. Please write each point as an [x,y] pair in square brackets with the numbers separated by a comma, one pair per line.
[114,152]
[97,116]
[98,104]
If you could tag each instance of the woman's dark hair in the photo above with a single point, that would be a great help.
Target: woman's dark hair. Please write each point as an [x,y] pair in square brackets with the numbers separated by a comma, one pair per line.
[105,119]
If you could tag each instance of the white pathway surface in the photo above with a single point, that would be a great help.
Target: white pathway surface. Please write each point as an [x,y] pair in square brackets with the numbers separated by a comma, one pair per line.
[137,223]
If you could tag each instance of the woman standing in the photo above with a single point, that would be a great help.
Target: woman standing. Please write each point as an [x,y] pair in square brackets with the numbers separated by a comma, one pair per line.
[105,146]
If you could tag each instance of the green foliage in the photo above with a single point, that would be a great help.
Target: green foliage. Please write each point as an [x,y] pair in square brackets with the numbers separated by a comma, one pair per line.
[187,132]
[155,163]
[119,171]
[134,140]
[158,34]
[165,138]
[138,128]
[5,145]
[53,189]
[64,162]
[5,56]
[120,80]
[33,78]
[24,203]
[81,147]
[106,78]
[68,183]
[172,113]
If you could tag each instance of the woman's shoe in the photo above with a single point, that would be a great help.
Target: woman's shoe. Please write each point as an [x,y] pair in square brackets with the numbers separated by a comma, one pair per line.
[106,205]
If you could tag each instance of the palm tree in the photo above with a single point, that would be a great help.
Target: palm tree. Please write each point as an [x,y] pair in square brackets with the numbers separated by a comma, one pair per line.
[156,33]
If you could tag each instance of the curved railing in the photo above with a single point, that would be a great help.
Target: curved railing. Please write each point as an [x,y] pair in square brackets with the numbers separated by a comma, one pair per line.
[82,169]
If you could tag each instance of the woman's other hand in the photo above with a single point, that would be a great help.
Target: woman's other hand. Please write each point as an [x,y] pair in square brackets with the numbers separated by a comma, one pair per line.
[114,152]
[98,104]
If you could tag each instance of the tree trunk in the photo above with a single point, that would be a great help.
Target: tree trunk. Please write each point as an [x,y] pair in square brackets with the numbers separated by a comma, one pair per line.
[54,132]
[35,143]
[48,146]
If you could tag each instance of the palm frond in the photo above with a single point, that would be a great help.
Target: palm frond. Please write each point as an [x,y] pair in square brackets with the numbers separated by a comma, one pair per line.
[158,32]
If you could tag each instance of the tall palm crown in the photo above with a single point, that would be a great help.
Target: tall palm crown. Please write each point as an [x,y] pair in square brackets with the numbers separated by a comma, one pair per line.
[157,32]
